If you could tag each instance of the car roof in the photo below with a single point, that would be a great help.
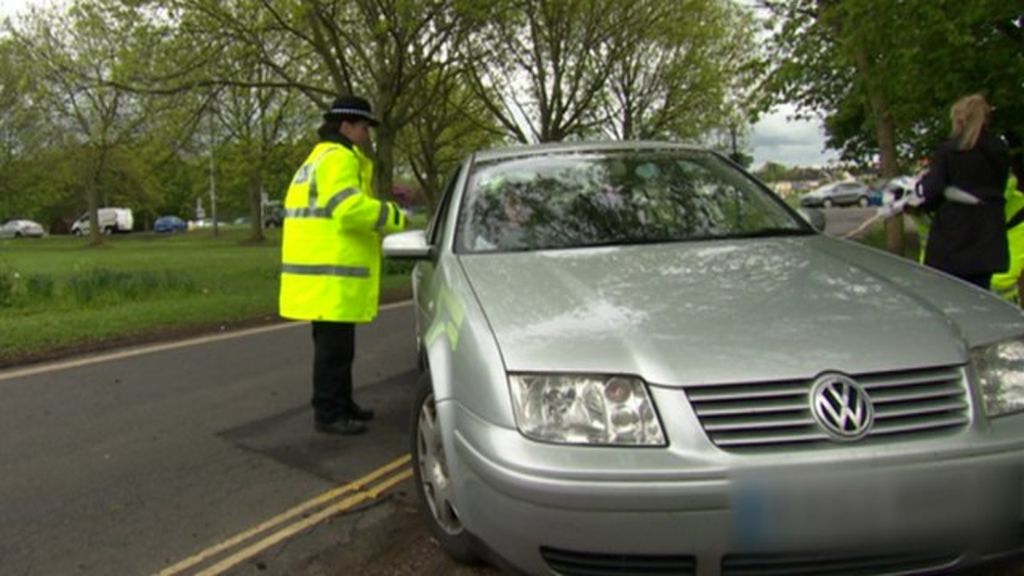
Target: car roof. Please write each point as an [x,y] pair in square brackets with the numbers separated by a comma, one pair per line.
[578,147]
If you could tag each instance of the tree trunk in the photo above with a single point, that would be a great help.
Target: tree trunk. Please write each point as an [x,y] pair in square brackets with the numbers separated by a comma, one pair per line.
[255,206]
[885,133]
[384,167]
[92,195]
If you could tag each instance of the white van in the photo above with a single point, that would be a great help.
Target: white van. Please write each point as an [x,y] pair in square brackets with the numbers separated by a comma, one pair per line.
[111,220]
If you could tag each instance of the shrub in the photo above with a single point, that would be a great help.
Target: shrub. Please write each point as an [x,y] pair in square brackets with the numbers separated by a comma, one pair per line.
[102,285]
[39,287]
[8,286]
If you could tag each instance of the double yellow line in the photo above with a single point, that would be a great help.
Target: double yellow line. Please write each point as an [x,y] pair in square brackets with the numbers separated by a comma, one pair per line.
[351,494]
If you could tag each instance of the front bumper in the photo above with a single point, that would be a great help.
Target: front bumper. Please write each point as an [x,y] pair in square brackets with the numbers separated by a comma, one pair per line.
[549,509]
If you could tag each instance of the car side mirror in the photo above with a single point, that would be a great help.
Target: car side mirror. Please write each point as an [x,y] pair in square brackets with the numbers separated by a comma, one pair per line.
[409,245]
[814,217]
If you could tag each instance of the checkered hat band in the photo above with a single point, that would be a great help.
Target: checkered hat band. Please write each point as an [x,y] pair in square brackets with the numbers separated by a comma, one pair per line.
[352,112]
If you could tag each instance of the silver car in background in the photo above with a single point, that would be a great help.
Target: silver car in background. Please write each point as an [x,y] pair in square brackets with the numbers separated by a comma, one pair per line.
[22,229]
[837,194]
[637,360]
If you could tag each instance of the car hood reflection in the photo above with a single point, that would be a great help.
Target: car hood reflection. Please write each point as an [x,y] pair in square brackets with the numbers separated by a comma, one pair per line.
[717,312]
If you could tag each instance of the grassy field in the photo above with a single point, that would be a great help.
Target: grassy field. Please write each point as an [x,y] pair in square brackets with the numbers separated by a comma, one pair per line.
[56,293]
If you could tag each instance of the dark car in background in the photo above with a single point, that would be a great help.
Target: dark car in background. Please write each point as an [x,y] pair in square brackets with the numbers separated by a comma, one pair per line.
[169,224]
[837,194]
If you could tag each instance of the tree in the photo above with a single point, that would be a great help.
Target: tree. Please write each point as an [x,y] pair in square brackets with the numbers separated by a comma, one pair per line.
[321,48]
[541,66]
[885,73]
[433,144]
[686,71]
[75,56]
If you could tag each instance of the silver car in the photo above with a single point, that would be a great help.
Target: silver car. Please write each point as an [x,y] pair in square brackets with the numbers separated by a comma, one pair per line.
[637,360]
[22,228]
[837,194]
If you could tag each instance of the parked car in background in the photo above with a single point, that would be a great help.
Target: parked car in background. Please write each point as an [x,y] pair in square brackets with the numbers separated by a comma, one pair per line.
[837,194]
[637,359]
[23,228]
[169,224]
[111,221]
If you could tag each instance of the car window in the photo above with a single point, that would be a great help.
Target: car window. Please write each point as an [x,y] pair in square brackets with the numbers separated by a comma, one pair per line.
[567,201]
[433,232]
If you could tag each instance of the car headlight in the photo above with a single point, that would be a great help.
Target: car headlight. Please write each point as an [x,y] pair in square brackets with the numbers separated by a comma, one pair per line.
[577,409]
[1000,370]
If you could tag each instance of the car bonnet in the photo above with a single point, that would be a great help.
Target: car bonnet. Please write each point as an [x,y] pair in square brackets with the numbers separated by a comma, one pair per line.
[727,311]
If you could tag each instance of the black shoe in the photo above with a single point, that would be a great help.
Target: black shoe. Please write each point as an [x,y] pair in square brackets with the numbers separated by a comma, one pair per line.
[360,414]
[341,427]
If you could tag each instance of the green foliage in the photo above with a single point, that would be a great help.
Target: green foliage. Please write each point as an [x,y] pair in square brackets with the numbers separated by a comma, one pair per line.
[8,285]
[105,286]
[39,287]
[868,63]
[54,293]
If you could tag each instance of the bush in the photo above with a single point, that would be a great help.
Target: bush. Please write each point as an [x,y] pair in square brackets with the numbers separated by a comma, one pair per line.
[102,285]
[39,287]
[8,287]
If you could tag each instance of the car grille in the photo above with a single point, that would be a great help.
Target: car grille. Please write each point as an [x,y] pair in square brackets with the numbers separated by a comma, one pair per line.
[828,565]
[779,413]
[566,563]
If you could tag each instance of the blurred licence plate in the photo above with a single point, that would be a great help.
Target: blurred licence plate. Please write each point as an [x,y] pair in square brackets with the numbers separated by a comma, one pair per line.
[847,510]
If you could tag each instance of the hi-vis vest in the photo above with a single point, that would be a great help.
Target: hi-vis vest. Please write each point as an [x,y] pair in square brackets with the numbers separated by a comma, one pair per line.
[330,251]
[1005,283]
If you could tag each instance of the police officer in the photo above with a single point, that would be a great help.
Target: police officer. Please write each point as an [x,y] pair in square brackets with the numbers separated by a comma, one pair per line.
[331,257]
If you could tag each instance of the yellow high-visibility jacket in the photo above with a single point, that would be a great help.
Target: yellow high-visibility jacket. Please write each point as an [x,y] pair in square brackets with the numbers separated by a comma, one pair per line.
[333,224]
[1005,283]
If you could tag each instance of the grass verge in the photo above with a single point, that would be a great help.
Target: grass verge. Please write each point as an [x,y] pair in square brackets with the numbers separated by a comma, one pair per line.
[59,296]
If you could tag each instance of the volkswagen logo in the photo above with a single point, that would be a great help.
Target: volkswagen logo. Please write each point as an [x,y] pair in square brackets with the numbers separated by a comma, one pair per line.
[841,406]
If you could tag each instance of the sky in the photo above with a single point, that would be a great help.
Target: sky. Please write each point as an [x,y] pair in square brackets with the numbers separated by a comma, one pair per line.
[775,138]
[778,138]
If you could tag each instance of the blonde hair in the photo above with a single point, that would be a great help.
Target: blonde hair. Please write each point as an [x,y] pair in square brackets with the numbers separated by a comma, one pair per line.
[969,116]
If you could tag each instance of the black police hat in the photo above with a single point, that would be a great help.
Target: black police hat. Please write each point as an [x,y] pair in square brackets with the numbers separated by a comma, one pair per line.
[351,107]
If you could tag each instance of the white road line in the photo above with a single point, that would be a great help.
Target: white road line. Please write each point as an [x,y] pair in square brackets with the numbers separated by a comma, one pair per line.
[132,352]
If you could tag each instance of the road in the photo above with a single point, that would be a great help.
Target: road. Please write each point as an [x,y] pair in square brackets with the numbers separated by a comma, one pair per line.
[133,464]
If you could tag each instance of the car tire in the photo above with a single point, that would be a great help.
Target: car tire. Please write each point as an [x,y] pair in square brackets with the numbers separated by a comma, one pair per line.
[827,203]
[77,232]
[863,201]
[432,479]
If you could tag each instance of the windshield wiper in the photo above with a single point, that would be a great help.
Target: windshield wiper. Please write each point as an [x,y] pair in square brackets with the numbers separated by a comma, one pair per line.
[769,233]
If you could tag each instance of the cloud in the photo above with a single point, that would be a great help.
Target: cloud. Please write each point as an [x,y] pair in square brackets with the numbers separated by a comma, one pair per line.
[778,138]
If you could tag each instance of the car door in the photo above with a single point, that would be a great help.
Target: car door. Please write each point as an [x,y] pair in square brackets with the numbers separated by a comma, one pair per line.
[424,272]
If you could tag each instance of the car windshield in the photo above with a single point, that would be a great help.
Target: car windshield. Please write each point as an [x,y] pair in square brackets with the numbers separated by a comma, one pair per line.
[617,198]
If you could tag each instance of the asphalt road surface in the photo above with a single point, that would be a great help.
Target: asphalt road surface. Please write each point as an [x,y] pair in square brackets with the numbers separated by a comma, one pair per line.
[135,464]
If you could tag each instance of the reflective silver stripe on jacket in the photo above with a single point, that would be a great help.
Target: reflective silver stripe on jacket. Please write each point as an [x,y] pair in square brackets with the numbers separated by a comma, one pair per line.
[324,212]
[312,177]
[382,219]
[323,270]
[306,213]
[338,198]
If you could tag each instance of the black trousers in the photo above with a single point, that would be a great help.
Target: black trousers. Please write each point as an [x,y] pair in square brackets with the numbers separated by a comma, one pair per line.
[980,280]
[334,349]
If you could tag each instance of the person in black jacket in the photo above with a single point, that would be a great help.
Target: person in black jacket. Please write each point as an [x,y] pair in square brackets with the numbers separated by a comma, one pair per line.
[968,238]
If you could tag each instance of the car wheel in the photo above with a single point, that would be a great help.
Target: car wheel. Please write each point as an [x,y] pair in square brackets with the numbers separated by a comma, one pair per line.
[863,201]
[77,232]
[17,234]
[433,481]
[108,230]
[827,203]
